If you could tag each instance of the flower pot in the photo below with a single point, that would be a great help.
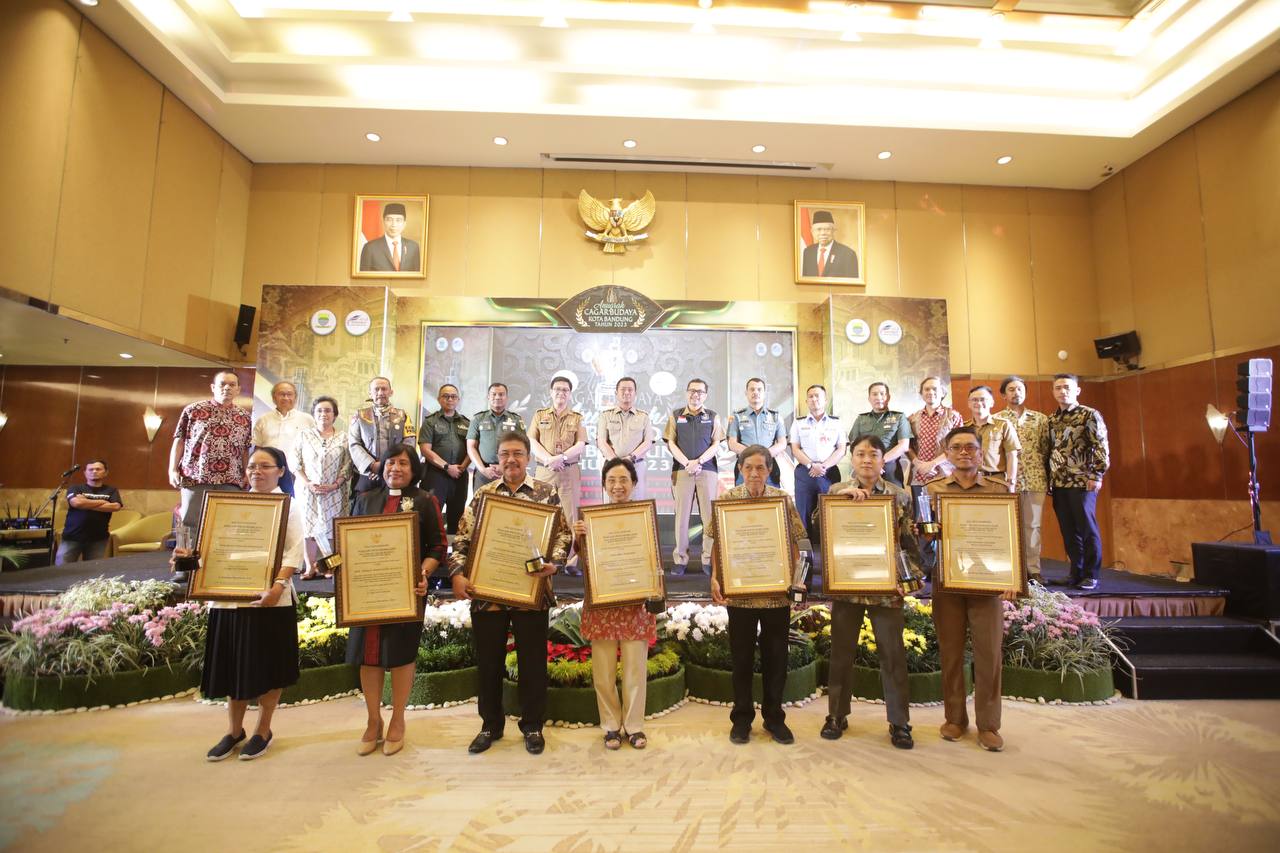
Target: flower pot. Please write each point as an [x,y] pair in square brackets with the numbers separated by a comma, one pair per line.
[50,693]
[716,685]
[437,688]
[1069,687]
[578,704]
[320,681]
[922,687]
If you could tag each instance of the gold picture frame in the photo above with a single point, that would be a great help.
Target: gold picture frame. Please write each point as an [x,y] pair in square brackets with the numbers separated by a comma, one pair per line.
[240,543]
[371,254]
[380,570]
[627,570]
[850,530]
[981,548]
[845,260]
[753,546]
[495,560]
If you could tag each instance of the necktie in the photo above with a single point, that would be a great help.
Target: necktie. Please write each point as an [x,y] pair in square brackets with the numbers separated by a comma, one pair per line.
[822,261]
[395,255]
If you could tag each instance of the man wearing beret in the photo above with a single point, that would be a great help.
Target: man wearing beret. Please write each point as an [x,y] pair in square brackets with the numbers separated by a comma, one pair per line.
[392,252]
[826,258]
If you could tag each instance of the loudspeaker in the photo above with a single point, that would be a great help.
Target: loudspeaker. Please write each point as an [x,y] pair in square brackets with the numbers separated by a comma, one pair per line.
[244,325]
[1250,573]
[1119,347]
[1253,402]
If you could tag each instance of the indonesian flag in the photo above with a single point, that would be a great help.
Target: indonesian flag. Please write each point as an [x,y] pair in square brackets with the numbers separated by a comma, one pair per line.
[371,221]
[806,236]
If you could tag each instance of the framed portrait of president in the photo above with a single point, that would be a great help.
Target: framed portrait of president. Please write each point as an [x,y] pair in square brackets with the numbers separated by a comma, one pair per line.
[390,239]
[830,242]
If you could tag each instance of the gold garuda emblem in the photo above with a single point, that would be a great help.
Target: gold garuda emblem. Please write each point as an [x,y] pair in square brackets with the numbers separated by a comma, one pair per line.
[616,226]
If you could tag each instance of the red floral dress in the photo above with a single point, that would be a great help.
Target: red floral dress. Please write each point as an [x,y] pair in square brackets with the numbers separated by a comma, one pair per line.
[629,622]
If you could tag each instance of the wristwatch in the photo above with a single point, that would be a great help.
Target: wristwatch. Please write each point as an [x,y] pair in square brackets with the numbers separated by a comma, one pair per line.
[281,581]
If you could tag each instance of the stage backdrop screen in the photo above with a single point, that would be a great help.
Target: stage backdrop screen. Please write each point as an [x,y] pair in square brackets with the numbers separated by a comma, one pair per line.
[662,361]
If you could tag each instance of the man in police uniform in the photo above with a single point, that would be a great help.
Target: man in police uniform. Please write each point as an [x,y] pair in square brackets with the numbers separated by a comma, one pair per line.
[625,431]
[982,615]
[443,439]
[757,425]
[558,438]
[486,431]
[889,426]
[693,435]
[817,443]
[373,429]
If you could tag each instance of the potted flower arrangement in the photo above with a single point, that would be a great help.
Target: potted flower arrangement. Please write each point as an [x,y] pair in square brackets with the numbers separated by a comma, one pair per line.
[446,668]
[1055,650]
[103,643]
[323,672]
[571,695]
[702,633]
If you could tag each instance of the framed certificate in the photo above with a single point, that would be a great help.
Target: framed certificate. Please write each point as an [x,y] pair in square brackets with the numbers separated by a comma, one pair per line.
[380,567]
[623,564]
[241,541]
[859,545]
[753,546]
[981,548]
[506,532]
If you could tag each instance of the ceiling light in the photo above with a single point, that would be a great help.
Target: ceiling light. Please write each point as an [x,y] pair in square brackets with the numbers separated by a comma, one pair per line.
[4,419]
[88,2]
[628,143]
[400,16]
[126,355]
[554,22]
[703,27]
[705,4]
[1004,159]
[884,155]
[373,137]
[757,149]
[850,35]
[499,140]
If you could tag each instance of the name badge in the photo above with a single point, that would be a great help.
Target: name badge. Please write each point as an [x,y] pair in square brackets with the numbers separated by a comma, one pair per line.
[682,419]
[484,425]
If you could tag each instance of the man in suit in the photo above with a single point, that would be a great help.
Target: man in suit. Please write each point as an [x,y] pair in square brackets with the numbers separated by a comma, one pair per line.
[826,258]
[391,252]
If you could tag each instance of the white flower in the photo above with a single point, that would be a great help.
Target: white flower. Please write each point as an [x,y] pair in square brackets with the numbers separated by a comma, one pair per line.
[697,635]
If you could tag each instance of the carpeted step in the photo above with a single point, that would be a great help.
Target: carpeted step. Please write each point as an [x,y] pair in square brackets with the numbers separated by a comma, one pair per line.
[1250,675]
[1189,635]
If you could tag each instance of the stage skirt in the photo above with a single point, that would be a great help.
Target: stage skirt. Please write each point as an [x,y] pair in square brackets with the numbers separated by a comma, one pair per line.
[250,651]
[385,646]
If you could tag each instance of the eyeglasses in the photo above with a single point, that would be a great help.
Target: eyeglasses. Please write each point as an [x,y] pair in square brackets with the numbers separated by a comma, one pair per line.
[695,392]
[966,448]
[254,466]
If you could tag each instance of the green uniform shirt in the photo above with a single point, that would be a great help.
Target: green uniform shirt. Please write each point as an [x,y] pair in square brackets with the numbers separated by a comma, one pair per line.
[888,426]
[447,436]
[486,428]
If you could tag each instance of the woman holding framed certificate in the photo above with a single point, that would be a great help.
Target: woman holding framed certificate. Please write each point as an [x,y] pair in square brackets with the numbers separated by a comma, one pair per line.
[628,628]
[251,648]
[392,646]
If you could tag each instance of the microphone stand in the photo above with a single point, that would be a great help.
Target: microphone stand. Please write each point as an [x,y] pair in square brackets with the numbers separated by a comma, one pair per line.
[51,501]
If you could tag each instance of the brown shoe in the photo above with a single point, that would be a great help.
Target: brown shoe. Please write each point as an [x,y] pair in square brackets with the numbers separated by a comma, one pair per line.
[990,741]
[951,731]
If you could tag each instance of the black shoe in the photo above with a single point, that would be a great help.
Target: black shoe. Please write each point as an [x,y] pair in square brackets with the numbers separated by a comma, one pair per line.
[740,734]
[1088,584]
[481,742]
[900,736]
[1060,582]
[780,732]
[534,742]
[180,578]
[678,571]
[222,749]
[834,727]
[255,747]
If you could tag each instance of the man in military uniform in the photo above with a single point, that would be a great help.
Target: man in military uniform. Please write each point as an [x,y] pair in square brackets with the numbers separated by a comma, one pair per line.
[486,431]
[817,443]
[889,426]
[757,425]
[983,615]
[693,435]
[443,439]
[626,431]
[558,438]
[373,429]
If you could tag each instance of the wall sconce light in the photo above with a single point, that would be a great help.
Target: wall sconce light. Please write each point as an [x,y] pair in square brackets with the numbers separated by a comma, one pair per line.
[1217,421]
[151,420]
[4,419]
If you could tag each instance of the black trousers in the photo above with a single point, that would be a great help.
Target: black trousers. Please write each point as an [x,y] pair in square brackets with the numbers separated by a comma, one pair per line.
[774,624]
[1077,517]
[452,495]
[489,627]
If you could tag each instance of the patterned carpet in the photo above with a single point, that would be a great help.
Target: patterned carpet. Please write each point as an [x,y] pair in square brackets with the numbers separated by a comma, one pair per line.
[1129,776]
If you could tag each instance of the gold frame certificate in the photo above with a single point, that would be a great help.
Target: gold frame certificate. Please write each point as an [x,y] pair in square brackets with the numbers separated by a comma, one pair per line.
[622,558]
[753,547]
[375,584]
[859,545]
[240,543]
[981,549]
[495,562]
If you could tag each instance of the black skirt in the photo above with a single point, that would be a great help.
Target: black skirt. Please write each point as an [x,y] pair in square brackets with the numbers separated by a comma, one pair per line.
[385,646]
[249,651]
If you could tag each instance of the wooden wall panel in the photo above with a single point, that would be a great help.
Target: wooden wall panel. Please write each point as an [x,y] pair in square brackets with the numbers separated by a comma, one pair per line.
[657,267]
[775,212]
[724,250]
[1180,453]
[109,423]
[1123,397]
[449,189]
[998,275]
[37,444]
[340,186]
[1065,297]
[570,262]
[931,257]
[283,230]
[226,282]
[1111,265]
[503,246]
[881,261]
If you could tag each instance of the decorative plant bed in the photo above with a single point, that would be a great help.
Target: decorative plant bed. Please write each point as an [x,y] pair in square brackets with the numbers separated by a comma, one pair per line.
[51,693]
[922,687]
[320,681]
[437,689]
[1095,686]
[578,704]
[716,685]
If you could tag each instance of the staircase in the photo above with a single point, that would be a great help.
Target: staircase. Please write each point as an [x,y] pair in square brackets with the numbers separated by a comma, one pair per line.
[1196,657]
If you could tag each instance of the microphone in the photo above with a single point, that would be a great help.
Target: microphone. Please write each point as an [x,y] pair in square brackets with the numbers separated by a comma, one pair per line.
[70,471]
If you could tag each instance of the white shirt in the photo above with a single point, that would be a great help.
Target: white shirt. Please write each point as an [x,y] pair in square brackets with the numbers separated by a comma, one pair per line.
[291,556]
[281,431]
[817,438]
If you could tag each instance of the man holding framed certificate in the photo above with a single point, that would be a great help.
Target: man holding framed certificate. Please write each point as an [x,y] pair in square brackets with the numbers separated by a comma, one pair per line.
[757,546]
[981,613]
[864,542]
[493,564]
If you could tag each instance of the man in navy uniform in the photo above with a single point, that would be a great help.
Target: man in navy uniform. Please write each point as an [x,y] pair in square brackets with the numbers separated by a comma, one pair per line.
[757,425]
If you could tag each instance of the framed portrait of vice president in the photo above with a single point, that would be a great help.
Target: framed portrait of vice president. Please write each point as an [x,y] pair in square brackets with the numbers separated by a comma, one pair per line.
[390,239]
[830,242]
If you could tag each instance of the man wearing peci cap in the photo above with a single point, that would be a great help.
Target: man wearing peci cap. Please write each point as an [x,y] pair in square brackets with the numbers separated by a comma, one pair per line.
[825,258]
[392,252]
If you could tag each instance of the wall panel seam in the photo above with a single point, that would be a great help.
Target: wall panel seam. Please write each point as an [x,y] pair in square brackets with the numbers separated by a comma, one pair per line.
[66,147]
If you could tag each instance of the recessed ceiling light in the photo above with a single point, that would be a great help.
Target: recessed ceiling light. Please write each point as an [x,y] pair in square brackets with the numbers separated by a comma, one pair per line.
[499,140]
[705,4]
[884,155]
[628,143]
[1004,160]
[94,376]
[757,149]
[126,355]
[373,137]
[88,2]
[400,15]
[555,22]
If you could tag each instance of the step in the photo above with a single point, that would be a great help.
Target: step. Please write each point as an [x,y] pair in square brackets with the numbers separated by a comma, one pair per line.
[1203,676]
[1191,635]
